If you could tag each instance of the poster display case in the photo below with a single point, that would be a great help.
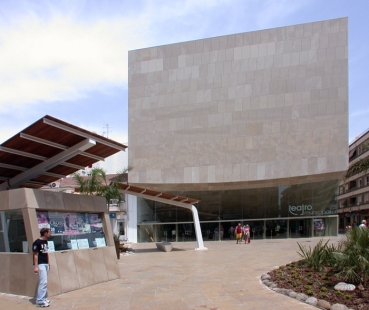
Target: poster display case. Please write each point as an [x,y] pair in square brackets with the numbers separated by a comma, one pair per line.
[71,230]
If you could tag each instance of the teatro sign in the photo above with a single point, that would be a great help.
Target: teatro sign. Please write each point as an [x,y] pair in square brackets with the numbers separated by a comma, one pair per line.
[308,210]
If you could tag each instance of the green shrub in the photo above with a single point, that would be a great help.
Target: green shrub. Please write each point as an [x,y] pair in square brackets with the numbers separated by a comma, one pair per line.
[351,260]
[322,296]
[307,287]
[348,297]
[309,292]
[310,282]
[316,257]
[295,284]
[323,289]
[301,263]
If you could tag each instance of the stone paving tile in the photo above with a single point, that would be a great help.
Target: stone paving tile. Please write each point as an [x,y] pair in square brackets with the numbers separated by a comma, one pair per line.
[227,276]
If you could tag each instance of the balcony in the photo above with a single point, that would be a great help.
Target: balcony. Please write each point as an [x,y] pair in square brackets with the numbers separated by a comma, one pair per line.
[114,207]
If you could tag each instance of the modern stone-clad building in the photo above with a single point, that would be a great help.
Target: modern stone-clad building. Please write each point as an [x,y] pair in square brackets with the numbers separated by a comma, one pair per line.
[254,125]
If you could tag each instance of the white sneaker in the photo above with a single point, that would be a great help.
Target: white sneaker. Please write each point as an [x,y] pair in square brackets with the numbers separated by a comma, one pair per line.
[43,305]
[48,301]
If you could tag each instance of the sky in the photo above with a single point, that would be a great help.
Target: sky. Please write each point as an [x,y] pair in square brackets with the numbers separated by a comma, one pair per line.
[69,59]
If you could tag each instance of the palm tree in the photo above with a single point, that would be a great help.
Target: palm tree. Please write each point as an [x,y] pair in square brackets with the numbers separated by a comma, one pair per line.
[97,184]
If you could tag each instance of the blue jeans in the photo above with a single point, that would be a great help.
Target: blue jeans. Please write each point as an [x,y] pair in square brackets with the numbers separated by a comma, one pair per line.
[43,270]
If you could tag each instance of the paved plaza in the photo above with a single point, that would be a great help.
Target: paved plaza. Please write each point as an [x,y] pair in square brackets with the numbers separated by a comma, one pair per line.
[226,276]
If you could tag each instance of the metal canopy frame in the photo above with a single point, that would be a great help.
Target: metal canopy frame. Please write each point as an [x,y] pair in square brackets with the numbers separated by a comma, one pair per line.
[48,150]
[179,201]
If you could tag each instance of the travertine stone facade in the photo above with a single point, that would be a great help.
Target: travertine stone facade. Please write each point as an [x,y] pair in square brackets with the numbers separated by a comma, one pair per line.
[250,107]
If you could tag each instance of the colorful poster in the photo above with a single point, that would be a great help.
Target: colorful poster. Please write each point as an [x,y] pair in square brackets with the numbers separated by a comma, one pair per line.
[83,223]
[56,221]
[95,223]
[319,224]
[42,219]
[70,224]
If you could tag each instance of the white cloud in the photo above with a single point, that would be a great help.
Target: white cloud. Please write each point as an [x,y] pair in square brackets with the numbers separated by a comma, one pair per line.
[359,113]
[65,55]
[61,58]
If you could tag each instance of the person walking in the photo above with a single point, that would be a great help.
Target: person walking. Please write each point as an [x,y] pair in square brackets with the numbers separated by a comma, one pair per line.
[238,232]
[363,224]
[231,232]
[41,266]
[247,234]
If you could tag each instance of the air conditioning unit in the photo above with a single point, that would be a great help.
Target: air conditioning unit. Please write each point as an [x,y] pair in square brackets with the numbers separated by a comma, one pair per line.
[55,184]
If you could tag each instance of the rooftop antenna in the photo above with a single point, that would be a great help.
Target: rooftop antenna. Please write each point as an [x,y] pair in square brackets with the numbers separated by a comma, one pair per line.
[107,130]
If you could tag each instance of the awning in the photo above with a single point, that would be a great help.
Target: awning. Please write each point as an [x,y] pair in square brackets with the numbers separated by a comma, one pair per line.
[49,150]
[139,191]
[180,201]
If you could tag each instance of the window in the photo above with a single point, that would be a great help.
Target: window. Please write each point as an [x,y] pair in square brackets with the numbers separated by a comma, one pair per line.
[12,232]
[366,180]
[359,183]
[341,189]
[358,199]
[71,231]
[366,197]
[352,184]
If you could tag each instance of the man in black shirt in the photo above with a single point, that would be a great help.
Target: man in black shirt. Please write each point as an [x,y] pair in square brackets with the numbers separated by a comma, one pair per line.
[41,266]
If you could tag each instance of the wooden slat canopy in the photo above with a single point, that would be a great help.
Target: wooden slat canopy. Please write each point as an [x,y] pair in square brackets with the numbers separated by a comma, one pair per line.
[139,191]
[48,150]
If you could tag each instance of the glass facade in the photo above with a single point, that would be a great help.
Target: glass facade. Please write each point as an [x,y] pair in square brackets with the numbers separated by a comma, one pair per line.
[293,211]
[12,232]
[71,231]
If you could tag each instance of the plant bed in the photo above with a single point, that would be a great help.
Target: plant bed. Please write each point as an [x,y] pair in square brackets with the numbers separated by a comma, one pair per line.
[300,278]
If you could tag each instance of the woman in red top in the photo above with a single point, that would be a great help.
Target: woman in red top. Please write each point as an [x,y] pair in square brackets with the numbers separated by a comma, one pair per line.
[238,232]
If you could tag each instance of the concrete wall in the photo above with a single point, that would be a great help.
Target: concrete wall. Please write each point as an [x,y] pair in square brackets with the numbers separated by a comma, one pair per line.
[266,105]
[70,270]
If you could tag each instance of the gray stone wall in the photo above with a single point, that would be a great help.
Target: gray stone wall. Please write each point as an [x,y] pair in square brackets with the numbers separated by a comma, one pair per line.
[263,105]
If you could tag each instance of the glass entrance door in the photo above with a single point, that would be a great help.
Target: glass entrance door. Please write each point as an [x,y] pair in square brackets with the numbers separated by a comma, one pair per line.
[300,228]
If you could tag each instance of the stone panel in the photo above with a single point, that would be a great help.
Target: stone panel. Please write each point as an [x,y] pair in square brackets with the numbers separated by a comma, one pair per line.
[67,271]
[54,201]
[17,199]
[99,270]
[54,283]
[4,200]
[71,202]
[86,203]
[84,268]
[111,262]
[18,267]
[4,272]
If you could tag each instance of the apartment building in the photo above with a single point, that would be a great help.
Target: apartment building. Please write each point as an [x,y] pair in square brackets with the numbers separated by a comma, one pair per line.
[353,196]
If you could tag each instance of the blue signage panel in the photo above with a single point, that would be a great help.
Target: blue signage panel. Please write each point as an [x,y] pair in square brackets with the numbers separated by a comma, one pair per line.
[113,215]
